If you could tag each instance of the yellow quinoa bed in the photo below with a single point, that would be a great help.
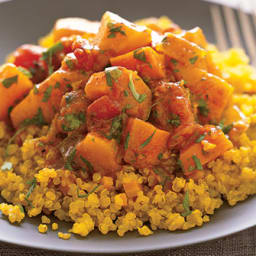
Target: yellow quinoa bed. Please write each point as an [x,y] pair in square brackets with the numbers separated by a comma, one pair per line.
[232,177]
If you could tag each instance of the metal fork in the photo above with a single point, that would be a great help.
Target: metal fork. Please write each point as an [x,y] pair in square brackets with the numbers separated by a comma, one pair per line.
[232,27]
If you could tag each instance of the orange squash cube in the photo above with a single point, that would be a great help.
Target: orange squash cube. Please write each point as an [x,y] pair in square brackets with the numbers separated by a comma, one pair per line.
[13,86]
[120,36]
[146,61]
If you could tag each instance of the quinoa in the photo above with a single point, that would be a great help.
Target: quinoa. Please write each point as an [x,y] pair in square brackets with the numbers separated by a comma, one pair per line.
[33,189]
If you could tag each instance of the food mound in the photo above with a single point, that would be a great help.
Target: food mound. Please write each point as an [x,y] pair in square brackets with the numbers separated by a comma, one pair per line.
[121,126]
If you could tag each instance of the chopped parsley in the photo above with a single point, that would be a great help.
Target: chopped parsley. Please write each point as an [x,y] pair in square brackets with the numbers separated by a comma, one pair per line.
[69,63]
[175,120]
[200,138]
[165,39]
[181,165]
[70,159]
[48,55]
[89,193]
[227,128]
[147,141]
[8,82]
[138,97]
[174,62]
[160,156]
[112,75]
[21,208]
[87,163]
[162,176]
[25,72]
[31,189]
[116,129]
[176,70]
[57,85]
[126,94]
[7,166]
[186,205]
[114,29]
[73,121]
[140,55]
[126,143]
[197,162]
[47,94]
[193,60]
[203,107]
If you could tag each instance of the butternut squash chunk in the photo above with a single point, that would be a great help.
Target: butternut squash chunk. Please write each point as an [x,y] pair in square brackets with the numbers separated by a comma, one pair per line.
[143,143]
[75,26]
[13,86]
[46,96]
[120,36]
[123,86]
[98,154]
[148,63]
[210,144]
[181,50]
[212,93]
[196,36]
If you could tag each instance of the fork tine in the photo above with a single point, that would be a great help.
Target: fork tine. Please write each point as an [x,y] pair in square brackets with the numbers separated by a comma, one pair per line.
[218,26]
[248,35]
[232,27]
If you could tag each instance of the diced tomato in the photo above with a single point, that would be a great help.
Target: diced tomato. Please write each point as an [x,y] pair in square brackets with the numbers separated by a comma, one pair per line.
[104,108]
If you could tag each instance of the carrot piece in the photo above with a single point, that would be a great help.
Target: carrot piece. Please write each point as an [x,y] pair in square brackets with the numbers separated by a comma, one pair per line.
[182,50]
[98,154]
[209,90]
[132,188]
[194,156]
[145,60]
[74,26]
[47,96]
[123,86]
[143,143]
[107,182]
[13,86]
[120,36]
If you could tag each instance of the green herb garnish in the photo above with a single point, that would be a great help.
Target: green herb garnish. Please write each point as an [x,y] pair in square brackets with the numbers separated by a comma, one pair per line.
[87,163]
[139,97]
[160,156]
[112,75]
[175,120]
[47,94]
[73,121]
[69,63]
[116,129]
[126,143]
[227,128]
[57,85]
[186,205]
[140,55]
[193,60]
[25,72]
[197,162]
[70,159]
[113,29]
[47,55]
[147,141]
[126,94]
[174,62]
[200,138]
[89,193]
[203,107]
[32,183]
[8,82]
